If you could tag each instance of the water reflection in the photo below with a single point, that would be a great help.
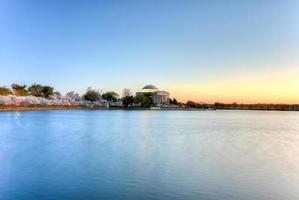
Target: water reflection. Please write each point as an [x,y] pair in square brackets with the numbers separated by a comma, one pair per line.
[149,155]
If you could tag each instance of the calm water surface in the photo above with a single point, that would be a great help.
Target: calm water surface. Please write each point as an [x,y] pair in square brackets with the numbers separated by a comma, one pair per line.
[210,155]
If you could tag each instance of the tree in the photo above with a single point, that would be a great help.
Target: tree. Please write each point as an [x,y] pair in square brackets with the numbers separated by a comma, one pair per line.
[57,94]
[19,90]
[47,91]
[110,96]
[36,90]
[4,91]
[128,100]
[73,95]
[144,100]
[174,101]
[192,104]
[126,92]
[92,95]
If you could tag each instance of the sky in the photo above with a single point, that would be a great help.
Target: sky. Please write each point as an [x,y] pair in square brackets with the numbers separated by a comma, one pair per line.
[205,51]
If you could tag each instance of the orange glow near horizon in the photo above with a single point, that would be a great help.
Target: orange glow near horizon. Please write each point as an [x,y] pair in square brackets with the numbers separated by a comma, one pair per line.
[274,87]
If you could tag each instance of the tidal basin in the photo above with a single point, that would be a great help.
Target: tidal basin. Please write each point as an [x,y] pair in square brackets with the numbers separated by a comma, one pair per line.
[105,154]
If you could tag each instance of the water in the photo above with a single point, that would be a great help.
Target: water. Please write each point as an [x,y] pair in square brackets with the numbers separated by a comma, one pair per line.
[210,155]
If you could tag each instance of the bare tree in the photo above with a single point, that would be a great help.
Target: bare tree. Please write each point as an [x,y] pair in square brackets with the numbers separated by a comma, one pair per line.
[73,95]
[126,92]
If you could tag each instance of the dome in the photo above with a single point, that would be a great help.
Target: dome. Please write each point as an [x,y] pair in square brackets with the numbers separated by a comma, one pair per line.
[150,87]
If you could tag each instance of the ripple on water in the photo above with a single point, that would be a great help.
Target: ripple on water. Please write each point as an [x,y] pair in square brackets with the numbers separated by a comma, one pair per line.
[234,155]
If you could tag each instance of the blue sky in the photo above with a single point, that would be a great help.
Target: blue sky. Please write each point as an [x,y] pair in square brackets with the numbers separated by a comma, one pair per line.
[173,44]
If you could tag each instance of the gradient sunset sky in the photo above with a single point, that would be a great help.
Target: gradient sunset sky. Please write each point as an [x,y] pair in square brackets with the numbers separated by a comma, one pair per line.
[206,51]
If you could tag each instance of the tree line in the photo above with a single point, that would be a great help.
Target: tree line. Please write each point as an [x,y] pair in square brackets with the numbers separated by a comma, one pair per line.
[129,100]
[37,90]
[92,95]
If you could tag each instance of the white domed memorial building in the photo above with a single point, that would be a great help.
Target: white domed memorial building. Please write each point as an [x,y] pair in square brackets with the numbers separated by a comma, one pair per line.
[158,97]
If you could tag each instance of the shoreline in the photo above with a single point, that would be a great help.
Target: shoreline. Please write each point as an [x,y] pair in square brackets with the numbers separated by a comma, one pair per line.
[49,108]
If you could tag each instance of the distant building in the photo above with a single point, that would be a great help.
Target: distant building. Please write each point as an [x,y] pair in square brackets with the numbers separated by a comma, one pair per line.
[158,97]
